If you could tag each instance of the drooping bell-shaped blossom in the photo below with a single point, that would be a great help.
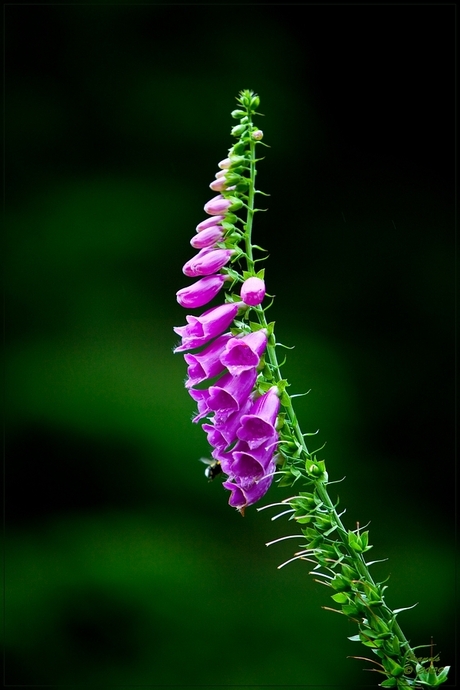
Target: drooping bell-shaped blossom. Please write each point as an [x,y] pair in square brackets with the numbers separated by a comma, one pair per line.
[252,463]
[245,492]
[215,220]
[253,291]
[244,353]
[222,429]
[257,427]
[201,329]
[208,237]
[231,392]
[201,292]
[206,364]
[207,262]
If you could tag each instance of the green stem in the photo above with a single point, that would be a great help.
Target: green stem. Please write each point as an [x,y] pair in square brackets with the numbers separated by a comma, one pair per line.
[356,558]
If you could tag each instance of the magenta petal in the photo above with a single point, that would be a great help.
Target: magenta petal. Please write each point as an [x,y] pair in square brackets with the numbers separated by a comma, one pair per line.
[201,292]
[217,205]
[258,425]
[208,237]
[207,262]
[206,364]
[231,392]
[244,353]
[253,291]
[208,222]
[201,329]
[245,494]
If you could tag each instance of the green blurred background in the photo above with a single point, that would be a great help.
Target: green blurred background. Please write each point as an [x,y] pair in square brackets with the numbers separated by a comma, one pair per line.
[123,565]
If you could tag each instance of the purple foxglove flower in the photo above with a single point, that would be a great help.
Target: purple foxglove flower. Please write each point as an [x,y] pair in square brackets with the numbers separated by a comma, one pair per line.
[253,291]
[252,463]
[245,493]
[208,222]
[201,397]
[201,292]
[231,392]
[207,262]
[208,237]
[217,205]
[244,353]
[201,329]
[222,431]
[206,364]
[258,426]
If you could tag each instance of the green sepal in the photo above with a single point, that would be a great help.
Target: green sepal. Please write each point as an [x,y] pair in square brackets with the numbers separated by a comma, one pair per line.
[392,667]
[350,610]
[340,583]
[389,683]
[340,598]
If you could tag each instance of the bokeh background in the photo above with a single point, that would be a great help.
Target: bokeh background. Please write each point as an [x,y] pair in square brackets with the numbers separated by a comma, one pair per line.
[123,565]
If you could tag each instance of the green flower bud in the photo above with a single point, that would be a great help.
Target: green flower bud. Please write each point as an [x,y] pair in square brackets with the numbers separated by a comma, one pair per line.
[238,130]
[237,114]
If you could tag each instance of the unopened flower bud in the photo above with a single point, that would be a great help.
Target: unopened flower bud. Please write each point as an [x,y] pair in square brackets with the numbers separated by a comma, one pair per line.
[237,114]
[226,163]
[218,185]
[253,291]
[208,223]
[208,237]
[201,292]
[257,135]
[207,262]
[238,130]
[217,205]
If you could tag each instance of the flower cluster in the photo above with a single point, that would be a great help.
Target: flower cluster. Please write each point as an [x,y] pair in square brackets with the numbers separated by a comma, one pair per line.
[239,406]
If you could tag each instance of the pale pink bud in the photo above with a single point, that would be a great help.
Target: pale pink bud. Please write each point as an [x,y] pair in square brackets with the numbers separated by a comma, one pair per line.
[253,291]
[217,205]
[218,185]
[220,173]
[208,237]
[226,163]
[208,222]
[258,135]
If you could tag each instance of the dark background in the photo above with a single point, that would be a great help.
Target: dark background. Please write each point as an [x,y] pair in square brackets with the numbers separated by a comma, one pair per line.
[123,565]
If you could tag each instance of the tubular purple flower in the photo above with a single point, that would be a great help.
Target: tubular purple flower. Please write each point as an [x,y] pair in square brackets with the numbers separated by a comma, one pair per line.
[208,237]
[244,353]
[253,291]
[208,222]
[201,329]
[225,428]
[258,426]
[201,292]
[207,262]
[206,364]
[246,492]
[231,392]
